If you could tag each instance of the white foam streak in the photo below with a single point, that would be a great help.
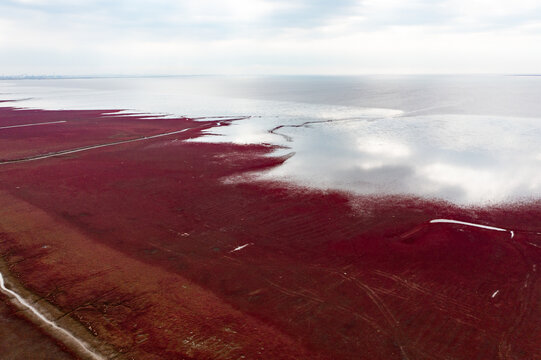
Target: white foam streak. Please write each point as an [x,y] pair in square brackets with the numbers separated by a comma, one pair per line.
[241,247]
[467,224]
[449,221]
[48,322]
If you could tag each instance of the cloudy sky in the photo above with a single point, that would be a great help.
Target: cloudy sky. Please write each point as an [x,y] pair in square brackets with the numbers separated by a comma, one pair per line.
[76,37]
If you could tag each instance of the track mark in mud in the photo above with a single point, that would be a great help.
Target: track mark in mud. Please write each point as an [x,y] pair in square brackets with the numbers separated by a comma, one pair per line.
[385,311]
[412,286]
[91,147]
[36,124]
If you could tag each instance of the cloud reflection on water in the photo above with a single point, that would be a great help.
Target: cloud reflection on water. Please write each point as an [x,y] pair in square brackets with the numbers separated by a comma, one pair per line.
[462,158]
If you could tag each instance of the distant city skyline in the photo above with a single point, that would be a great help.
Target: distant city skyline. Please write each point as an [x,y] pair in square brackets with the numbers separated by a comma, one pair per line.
[96,37]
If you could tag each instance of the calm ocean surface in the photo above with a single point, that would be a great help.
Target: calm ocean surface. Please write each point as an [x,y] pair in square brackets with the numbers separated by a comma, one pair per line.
[466,139]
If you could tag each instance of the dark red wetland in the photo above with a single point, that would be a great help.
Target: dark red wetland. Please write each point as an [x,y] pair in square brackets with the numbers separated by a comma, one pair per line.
[154,247]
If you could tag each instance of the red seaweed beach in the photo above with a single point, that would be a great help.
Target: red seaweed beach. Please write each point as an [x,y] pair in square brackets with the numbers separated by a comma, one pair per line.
[147,246]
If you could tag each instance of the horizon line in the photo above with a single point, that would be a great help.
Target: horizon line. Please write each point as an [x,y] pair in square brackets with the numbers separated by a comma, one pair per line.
[127,76]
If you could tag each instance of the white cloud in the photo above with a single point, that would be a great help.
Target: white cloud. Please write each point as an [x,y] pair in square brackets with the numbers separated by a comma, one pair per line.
[230,11]
[263,36]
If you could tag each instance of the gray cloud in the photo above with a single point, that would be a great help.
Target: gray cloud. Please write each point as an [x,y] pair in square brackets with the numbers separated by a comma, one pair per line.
[177,18]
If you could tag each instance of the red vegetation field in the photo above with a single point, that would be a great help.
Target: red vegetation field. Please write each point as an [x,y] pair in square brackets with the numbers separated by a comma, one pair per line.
[137,241]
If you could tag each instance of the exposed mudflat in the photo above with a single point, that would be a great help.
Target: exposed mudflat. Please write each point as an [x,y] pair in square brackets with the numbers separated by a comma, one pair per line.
[164,249]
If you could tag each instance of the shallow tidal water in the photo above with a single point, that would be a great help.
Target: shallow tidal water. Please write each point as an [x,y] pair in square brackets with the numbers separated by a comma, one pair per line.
[471,140]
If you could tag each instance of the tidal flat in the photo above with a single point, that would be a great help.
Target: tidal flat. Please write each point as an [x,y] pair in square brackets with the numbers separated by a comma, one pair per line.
[142,242]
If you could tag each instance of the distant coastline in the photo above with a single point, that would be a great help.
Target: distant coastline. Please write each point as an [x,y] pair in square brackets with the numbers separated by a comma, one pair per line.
[74,77]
